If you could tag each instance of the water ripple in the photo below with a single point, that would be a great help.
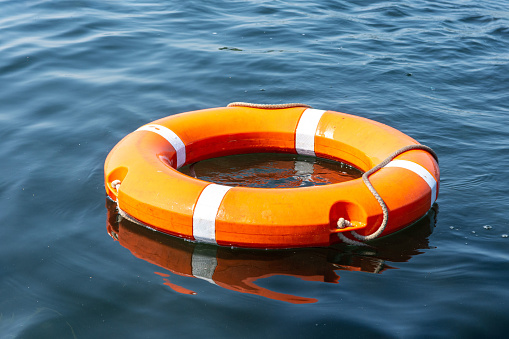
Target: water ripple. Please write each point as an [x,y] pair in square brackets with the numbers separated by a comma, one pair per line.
[77,76]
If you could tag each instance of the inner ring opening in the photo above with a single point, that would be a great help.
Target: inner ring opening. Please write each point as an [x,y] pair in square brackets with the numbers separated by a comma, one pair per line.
[272,170]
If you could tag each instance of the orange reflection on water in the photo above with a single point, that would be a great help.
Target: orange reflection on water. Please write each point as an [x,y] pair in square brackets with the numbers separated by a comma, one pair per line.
[240,269]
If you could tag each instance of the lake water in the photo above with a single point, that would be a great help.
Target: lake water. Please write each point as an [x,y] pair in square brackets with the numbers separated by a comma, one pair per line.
[77,76]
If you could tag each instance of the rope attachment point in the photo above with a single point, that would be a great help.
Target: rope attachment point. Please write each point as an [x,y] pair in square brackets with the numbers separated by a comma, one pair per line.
[116,184]
[342,223]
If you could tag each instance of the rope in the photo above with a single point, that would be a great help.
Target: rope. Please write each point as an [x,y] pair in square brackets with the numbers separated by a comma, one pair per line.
[342,223]
[266,106]
[115,184]
[248,104]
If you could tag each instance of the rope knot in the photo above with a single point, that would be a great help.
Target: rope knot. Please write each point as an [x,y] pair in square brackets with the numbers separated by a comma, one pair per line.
[343,223]
[115,184]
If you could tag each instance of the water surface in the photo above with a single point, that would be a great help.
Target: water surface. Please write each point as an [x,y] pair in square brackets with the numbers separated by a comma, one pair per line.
[77,76]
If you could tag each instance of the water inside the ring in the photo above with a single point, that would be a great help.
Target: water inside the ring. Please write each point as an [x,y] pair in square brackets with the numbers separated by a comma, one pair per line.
[272,170]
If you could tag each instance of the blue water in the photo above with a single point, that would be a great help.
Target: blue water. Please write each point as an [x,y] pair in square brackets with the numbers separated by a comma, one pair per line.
[76,76]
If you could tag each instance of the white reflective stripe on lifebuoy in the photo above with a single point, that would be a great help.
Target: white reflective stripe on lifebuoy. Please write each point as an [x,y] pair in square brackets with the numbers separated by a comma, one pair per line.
[306,130]
[419,170]
[172,138]
[204,216]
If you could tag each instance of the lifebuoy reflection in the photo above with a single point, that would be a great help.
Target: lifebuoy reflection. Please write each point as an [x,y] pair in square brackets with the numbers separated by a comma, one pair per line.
[239,269]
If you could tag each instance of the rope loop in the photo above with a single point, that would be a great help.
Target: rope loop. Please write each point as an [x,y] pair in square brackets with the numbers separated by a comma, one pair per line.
[381,202]
[266,106]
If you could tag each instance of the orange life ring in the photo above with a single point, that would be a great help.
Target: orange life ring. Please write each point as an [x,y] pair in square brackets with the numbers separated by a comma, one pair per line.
[141,176]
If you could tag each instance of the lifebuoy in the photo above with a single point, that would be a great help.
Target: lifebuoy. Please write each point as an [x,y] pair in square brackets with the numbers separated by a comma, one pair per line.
[141,176]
